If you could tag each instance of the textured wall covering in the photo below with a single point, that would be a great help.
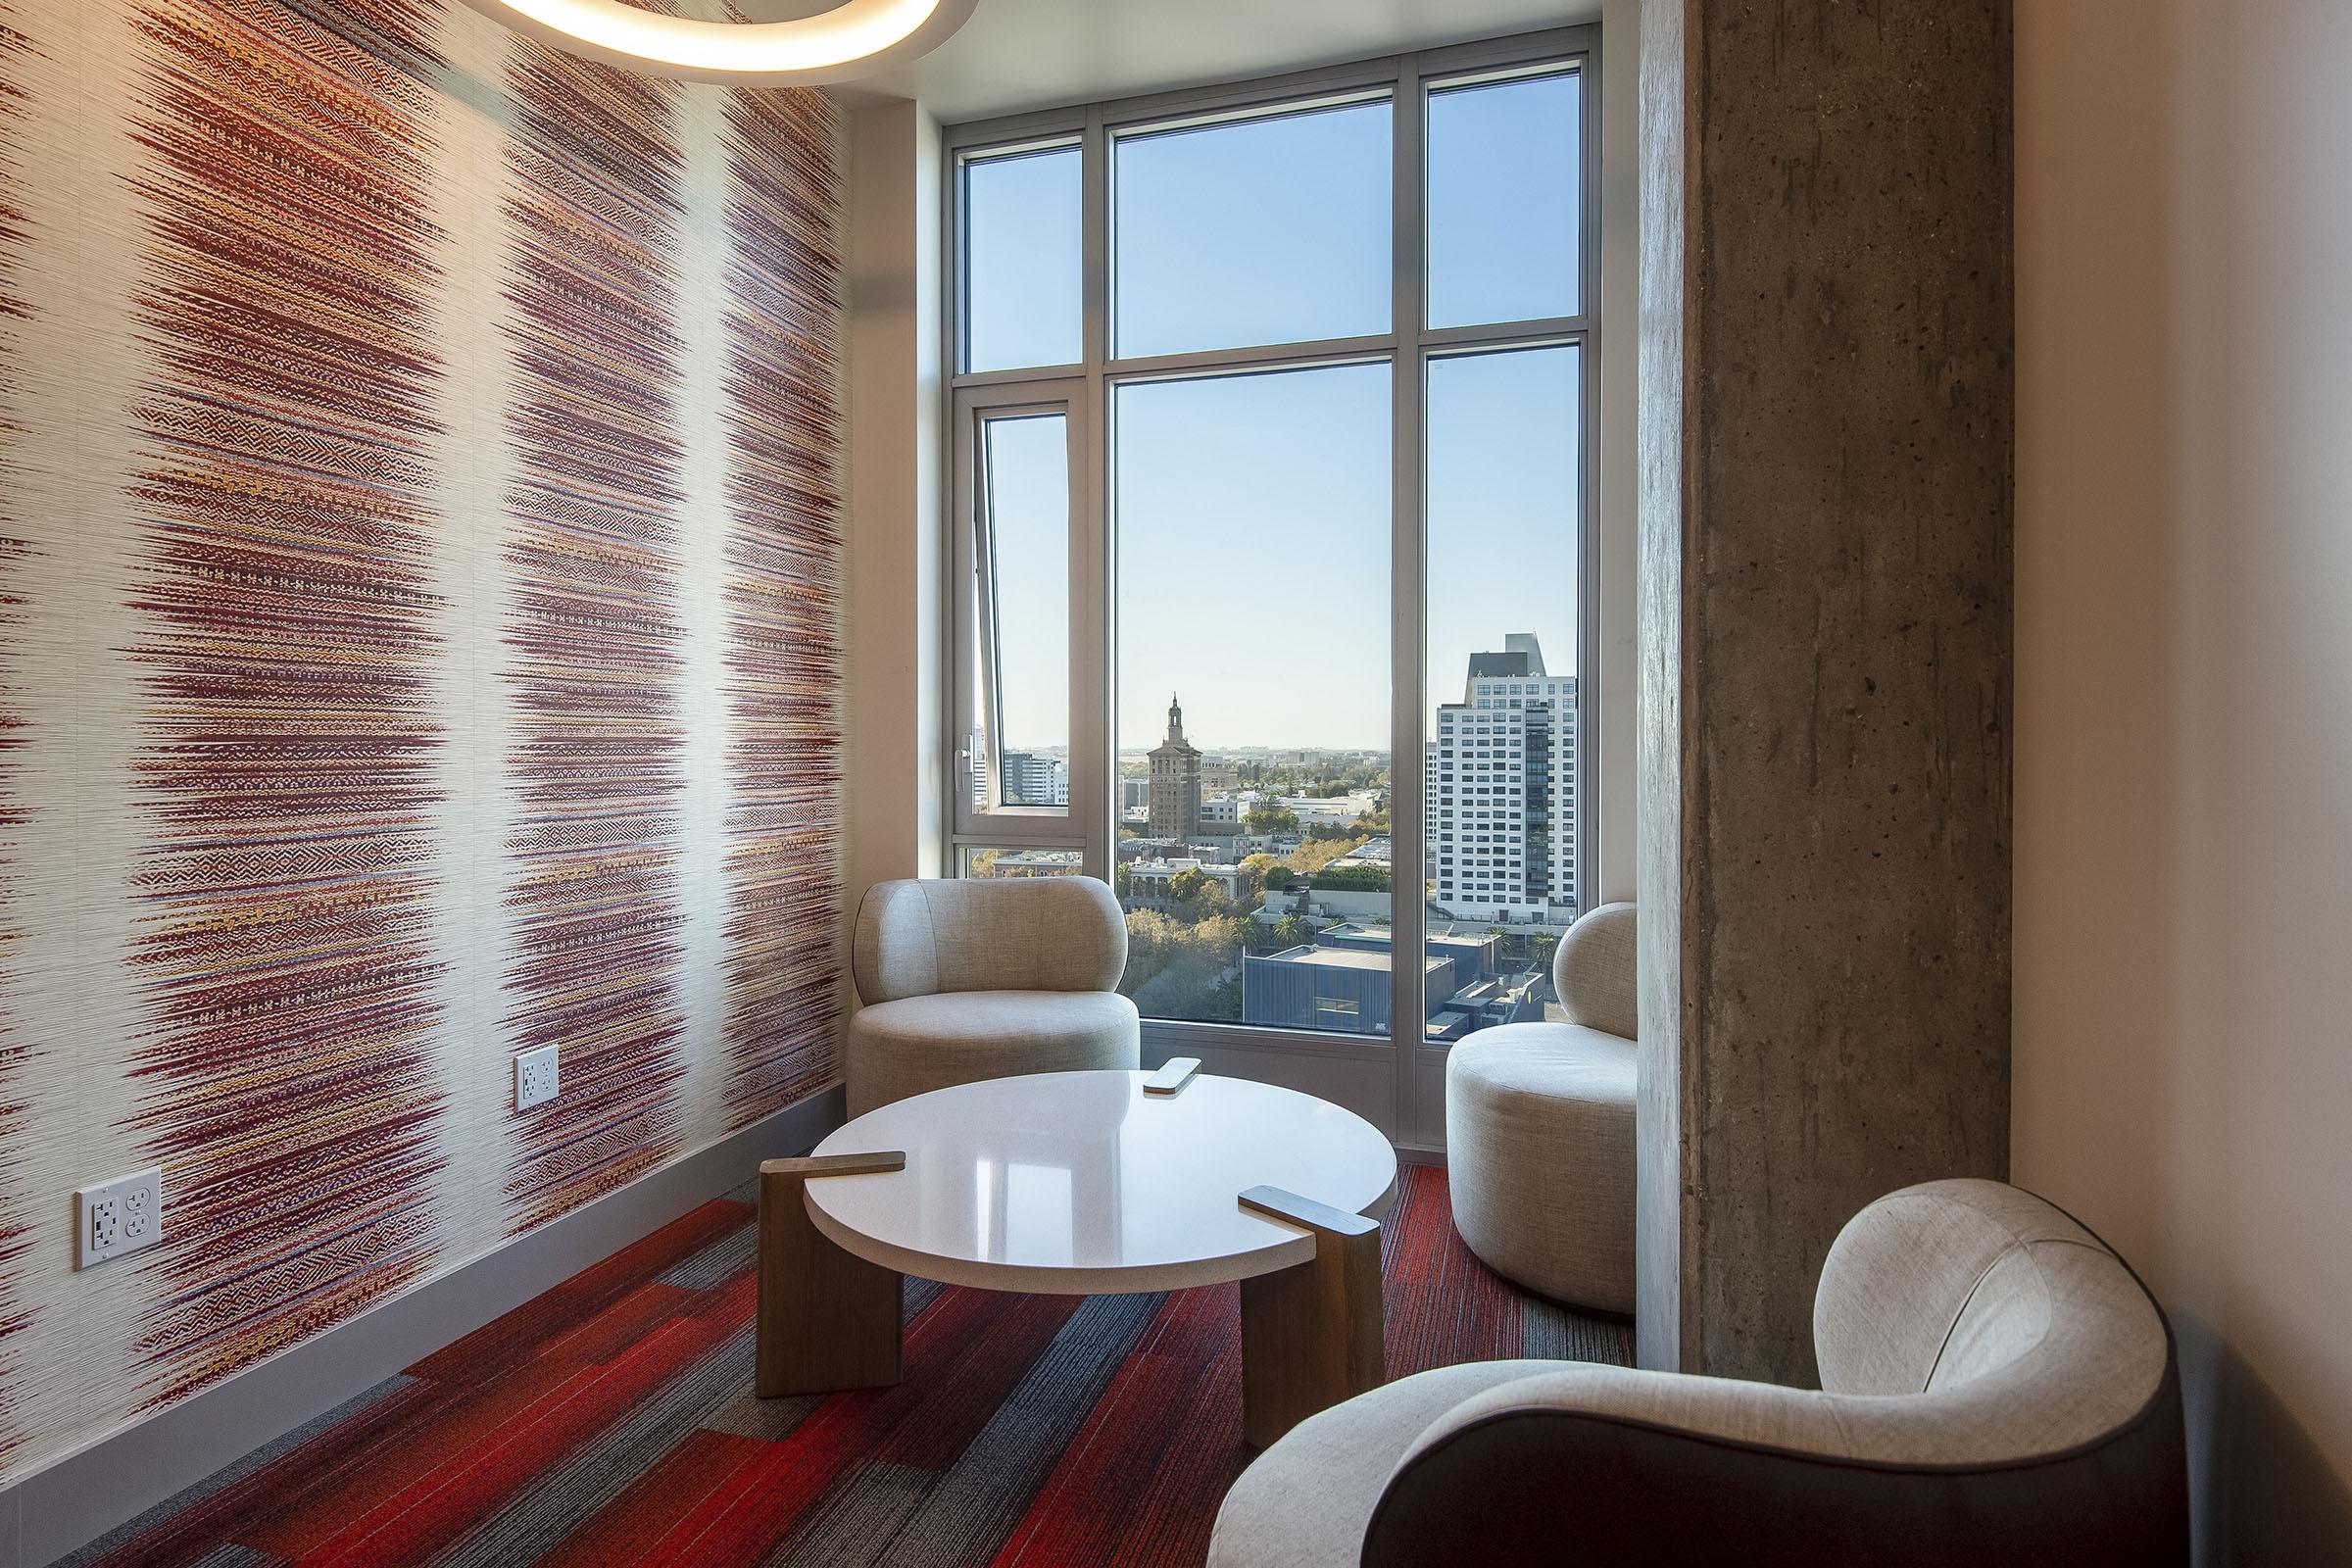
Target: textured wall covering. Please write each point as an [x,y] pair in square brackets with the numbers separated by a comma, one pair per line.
[419,643]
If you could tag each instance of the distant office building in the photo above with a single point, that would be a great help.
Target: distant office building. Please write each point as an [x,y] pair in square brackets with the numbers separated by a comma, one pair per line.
[1502,784]
[1329,988]
[1470,957]
[1330,811]
[1221,778]
[1026,779]
[1135,794]
[1148,881]
[1220,814]
[1035,862]
[1175,781]
[1504,999]
[1341,981]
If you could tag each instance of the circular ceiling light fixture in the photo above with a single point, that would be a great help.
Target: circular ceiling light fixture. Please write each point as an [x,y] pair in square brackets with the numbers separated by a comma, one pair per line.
[854,38]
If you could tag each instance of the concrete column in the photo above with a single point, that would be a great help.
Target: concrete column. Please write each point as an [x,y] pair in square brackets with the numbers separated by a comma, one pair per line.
[1827,454]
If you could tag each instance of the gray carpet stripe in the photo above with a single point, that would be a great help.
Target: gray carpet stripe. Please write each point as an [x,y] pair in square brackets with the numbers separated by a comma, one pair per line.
[743,1414]
[739,1250]
[985,1492]
[714,1391]
[230,1475]
[917,1294]
[558,1499]
[967,1509]
[228,1555]
[960,1515]
[717,1263]
[1551,1332]
[859,1521]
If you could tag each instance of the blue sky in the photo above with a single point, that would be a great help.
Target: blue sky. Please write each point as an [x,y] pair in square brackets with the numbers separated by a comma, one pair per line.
[1251,512]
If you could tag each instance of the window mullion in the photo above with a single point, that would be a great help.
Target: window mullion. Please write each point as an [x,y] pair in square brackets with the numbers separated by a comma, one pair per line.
[1092,636]
[1406,908]
[1392,1092]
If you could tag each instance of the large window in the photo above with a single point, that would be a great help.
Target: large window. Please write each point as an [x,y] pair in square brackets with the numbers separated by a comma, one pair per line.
[1273,420]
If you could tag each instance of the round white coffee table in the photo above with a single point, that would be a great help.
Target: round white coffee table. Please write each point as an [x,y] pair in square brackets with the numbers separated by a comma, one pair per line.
[1087,1183]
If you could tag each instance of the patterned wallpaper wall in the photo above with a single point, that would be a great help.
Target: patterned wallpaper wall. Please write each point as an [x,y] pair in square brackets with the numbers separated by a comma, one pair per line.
[419,593]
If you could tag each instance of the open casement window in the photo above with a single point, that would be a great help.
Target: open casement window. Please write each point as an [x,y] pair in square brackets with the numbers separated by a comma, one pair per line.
[1272,435]
[1021,563]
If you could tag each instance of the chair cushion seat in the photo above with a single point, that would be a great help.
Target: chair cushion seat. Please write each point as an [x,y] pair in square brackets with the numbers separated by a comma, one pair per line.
[1539,1156]
[1306,1501]
[919,1044]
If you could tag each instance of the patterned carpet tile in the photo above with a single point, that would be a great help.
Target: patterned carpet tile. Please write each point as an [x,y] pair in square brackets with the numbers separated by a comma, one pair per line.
[611,1421]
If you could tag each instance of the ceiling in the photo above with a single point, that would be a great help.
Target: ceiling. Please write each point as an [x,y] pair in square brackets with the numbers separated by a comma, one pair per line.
[1037,54]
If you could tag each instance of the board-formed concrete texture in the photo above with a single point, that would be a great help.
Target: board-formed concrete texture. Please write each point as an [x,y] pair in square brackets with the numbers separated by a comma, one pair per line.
[1659,1262]
[1832,776]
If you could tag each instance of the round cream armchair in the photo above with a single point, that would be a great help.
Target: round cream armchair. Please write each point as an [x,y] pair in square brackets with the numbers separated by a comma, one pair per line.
[1540,1128]
[965,980]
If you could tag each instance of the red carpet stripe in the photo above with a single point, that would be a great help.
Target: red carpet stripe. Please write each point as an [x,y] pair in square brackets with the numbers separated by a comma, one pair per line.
[989,1484]
[455,1495]
[620,1429]
[784,600]
[497,1347]
[593,634]
[285,533]
[959,1359]
[1094,1501]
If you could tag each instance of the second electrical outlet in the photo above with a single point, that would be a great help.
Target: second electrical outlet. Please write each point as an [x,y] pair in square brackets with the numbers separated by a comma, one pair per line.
[535,1079]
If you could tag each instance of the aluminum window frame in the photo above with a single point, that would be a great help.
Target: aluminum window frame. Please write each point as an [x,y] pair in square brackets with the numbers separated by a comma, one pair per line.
[1403,1100]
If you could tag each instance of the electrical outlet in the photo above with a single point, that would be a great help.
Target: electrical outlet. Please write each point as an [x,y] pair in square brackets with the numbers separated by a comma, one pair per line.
[536,1080]
[118,1217]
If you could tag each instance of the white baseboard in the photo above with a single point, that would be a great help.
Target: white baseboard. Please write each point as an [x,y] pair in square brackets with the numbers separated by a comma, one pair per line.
[82,1497]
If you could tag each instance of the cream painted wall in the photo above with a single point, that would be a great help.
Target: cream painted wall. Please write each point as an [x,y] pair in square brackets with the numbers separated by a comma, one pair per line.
[897,587]
[2182,1072]
[1617,748]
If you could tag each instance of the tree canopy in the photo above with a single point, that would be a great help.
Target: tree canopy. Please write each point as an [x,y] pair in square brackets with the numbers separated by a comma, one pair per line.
[1351,879]
[1264,819]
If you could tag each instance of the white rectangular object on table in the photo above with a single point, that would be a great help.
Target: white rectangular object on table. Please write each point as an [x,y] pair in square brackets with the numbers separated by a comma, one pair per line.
[1173,1076]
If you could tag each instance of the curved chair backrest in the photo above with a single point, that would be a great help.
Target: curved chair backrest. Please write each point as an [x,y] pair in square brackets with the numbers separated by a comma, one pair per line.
[923,938]
[1595,973]
[2018,1332]
[1996,1386]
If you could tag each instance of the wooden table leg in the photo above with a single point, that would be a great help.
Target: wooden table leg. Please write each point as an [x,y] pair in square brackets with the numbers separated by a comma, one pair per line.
[827,1319]
[1311,1334]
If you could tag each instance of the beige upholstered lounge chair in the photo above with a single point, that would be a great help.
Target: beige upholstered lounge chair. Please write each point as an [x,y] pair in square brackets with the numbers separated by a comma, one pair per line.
[965,980]
[1998,1387]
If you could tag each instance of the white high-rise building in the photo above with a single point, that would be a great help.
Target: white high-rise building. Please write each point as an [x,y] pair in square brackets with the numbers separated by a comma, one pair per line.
[1027,779]
[1501,791]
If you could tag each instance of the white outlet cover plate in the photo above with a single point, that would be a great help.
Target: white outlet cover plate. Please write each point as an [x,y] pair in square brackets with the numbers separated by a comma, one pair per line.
[124,1215]
[536,1079]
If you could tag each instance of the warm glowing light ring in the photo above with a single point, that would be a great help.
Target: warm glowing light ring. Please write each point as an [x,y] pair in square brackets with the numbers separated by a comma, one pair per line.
[854,38]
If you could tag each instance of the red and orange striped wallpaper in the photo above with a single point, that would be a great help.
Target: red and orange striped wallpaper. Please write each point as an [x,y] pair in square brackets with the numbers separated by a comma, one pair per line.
[419,642]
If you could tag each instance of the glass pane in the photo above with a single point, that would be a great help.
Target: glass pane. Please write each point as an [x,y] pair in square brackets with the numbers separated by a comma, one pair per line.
[1269,230]
[1253,550]
[1501,759]
[975,861]
[1504,200]
[1024,555]
[1021,299]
